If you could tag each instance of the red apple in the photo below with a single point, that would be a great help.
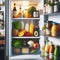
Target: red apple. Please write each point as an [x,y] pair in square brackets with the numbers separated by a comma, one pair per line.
[32,48]
[36,45]
[27,34]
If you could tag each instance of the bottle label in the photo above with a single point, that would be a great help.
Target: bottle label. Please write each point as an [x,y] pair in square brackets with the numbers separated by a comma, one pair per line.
[46,54]
[55,8]
[35,14]
[50,55]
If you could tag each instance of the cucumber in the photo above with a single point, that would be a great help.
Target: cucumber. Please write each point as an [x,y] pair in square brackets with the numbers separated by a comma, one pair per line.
[34,51]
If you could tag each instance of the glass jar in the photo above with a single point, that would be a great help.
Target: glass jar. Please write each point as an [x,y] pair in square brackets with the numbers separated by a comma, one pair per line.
[48,8]
[55,30]
[49,25]
[36,14]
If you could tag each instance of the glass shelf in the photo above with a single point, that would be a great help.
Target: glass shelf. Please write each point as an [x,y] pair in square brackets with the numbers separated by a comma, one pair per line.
[26,37]
[41,33]
[18,19]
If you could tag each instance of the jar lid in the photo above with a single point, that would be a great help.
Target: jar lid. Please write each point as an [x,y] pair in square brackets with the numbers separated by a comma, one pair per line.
[55,23]
[49,21]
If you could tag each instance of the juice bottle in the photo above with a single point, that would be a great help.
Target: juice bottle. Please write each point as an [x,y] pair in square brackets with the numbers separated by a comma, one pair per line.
[47,46]
[51,51]
[31,28]
[27,26]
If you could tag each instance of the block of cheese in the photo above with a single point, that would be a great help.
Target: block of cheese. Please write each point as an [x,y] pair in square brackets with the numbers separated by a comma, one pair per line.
[25,50]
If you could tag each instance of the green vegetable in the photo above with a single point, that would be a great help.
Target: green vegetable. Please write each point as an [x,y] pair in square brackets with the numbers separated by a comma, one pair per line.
[52,4]
[34,51]
[17,25]
[44,27]
[17,43]
[31,10]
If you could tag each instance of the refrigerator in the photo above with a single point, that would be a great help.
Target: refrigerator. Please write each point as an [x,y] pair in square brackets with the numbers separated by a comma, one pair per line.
[26,34]
[24,29]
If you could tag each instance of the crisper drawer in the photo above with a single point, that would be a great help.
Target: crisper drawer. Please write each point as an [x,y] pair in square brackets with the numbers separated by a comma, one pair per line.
[25,46]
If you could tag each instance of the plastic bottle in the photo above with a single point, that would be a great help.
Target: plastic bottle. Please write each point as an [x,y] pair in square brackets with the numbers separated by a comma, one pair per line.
[31,28]
[47,49]
[27,26]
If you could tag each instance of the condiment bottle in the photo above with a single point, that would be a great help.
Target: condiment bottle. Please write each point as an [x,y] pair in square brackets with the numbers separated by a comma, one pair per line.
[48,27]
[56,6]
[55,30]
[14,10]
[44,8]
[20,11]
[49,9]
[51,51]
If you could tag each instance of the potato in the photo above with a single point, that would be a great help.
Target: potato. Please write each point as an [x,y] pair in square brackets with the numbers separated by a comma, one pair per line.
[15,32]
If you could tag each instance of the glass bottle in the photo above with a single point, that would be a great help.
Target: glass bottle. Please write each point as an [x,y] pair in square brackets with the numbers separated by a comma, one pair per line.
[44,8]
[20,12]
[51,1]
[47,48]
[22,22]
[27,26]
[43,50]
[51,51]
[55,30]
[14,10]
[57,52]
[49,8]
[56,6]
[48,27]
